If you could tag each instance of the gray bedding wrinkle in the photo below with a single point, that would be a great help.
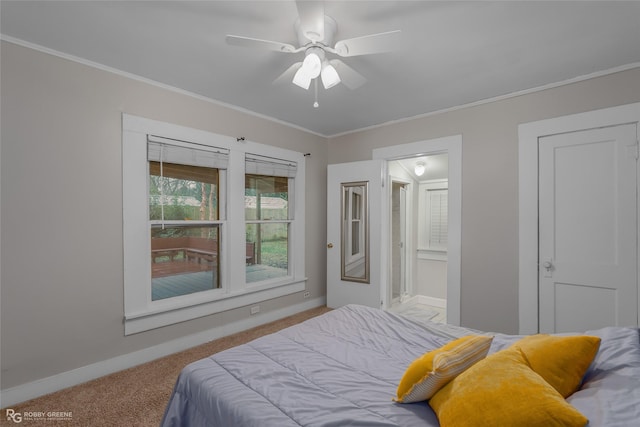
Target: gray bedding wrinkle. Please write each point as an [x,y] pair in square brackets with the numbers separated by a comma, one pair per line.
[610,393]
[313,372]
[352,387]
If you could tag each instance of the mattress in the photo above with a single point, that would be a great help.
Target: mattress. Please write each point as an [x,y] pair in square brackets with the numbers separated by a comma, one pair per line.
[343,369]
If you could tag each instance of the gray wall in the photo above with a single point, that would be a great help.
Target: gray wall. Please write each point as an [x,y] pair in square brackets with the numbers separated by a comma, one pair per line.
[489,276]
[61,210]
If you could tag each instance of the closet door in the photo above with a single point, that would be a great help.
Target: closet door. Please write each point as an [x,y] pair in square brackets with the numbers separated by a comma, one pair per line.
[588,235]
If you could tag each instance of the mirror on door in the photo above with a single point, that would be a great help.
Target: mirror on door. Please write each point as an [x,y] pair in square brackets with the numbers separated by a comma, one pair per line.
[354,232]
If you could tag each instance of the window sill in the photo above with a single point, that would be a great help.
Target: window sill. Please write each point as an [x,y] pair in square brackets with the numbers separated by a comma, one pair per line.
[169,314]
[432,255]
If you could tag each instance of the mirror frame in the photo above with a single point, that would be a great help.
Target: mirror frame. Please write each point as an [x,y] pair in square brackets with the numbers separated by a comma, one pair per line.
[344,232]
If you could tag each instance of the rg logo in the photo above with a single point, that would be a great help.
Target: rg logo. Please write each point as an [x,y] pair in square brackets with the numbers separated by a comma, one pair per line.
[14,416]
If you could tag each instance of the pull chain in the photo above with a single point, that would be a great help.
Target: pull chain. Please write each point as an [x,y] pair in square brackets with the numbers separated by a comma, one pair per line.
[162,183]
[315,104]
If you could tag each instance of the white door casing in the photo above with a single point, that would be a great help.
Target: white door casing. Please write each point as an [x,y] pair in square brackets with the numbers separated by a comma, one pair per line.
[403,241]
[587,229]
[397,239]
[452,145]
[341,292]
[529,135]
[400,242]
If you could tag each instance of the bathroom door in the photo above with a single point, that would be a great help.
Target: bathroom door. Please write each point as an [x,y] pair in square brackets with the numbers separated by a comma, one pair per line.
[355,213]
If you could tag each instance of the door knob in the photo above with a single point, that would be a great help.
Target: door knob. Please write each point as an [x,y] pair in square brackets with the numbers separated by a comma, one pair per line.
[548,267]
[330,245]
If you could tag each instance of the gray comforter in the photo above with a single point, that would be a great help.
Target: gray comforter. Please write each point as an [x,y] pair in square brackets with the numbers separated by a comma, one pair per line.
[343,368]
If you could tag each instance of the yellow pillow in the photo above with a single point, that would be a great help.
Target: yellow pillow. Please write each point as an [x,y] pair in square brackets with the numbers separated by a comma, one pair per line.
[431,371]
[561,360]
[503,391]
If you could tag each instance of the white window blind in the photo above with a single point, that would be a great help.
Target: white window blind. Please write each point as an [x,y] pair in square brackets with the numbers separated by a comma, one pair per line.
[438,218]
[262,165]
[186,153]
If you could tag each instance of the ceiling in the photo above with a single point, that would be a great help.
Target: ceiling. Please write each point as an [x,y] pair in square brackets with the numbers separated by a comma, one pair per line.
[452,53]
[436,167]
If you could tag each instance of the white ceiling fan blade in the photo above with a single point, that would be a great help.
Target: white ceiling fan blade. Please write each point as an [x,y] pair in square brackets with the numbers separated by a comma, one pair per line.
[373,43]
[259,43]
[349,77]
[287,76]
[311,15]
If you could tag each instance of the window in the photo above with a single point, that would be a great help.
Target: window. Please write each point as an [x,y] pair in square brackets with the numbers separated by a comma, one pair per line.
[194,242]
[433,226]
[184,217]
[268,218]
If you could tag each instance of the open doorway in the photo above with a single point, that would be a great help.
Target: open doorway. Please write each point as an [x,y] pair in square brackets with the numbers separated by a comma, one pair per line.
[419,236]
[376,292]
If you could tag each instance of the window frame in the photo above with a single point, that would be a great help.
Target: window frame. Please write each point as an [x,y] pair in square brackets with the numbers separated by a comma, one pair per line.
[140,312]
[288,221]
[425,250]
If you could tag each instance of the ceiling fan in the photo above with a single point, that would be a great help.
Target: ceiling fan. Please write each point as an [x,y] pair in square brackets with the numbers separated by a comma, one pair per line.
[315,33]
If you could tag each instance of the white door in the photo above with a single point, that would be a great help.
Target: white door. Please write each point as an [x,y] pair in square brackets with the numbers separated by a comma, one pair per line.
[355,209]
[588,233]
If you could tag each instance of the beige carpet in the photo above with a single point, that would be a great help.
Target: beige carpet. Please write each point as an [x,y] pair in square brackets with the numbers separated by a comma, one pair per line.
[138,396]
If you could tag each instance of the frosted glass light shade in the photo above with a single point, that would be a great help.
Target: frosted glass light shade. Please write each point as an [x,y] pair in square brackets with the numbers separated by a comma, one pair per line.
[329,76]
[309,70]
[312,64]
[302,78]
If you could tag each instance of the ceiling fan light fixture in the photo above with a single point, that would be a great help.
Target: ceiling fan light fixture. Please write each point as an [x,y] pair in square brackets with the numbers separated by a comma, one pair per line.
[315,32]
[329,76]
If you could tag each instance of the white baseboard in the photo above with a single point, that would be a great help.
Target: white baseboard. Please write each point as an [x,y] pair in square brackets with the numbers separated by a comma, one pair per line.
[24,392]
[435,302]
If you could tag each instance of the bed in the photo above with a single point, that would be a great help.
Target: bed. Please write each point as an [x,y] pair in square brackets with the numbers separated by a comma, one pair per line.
[343,368]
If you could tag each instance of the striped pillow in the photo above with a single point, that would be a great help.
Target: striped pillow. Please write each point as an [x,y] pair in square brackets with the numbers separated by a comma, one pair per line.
[433,370]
